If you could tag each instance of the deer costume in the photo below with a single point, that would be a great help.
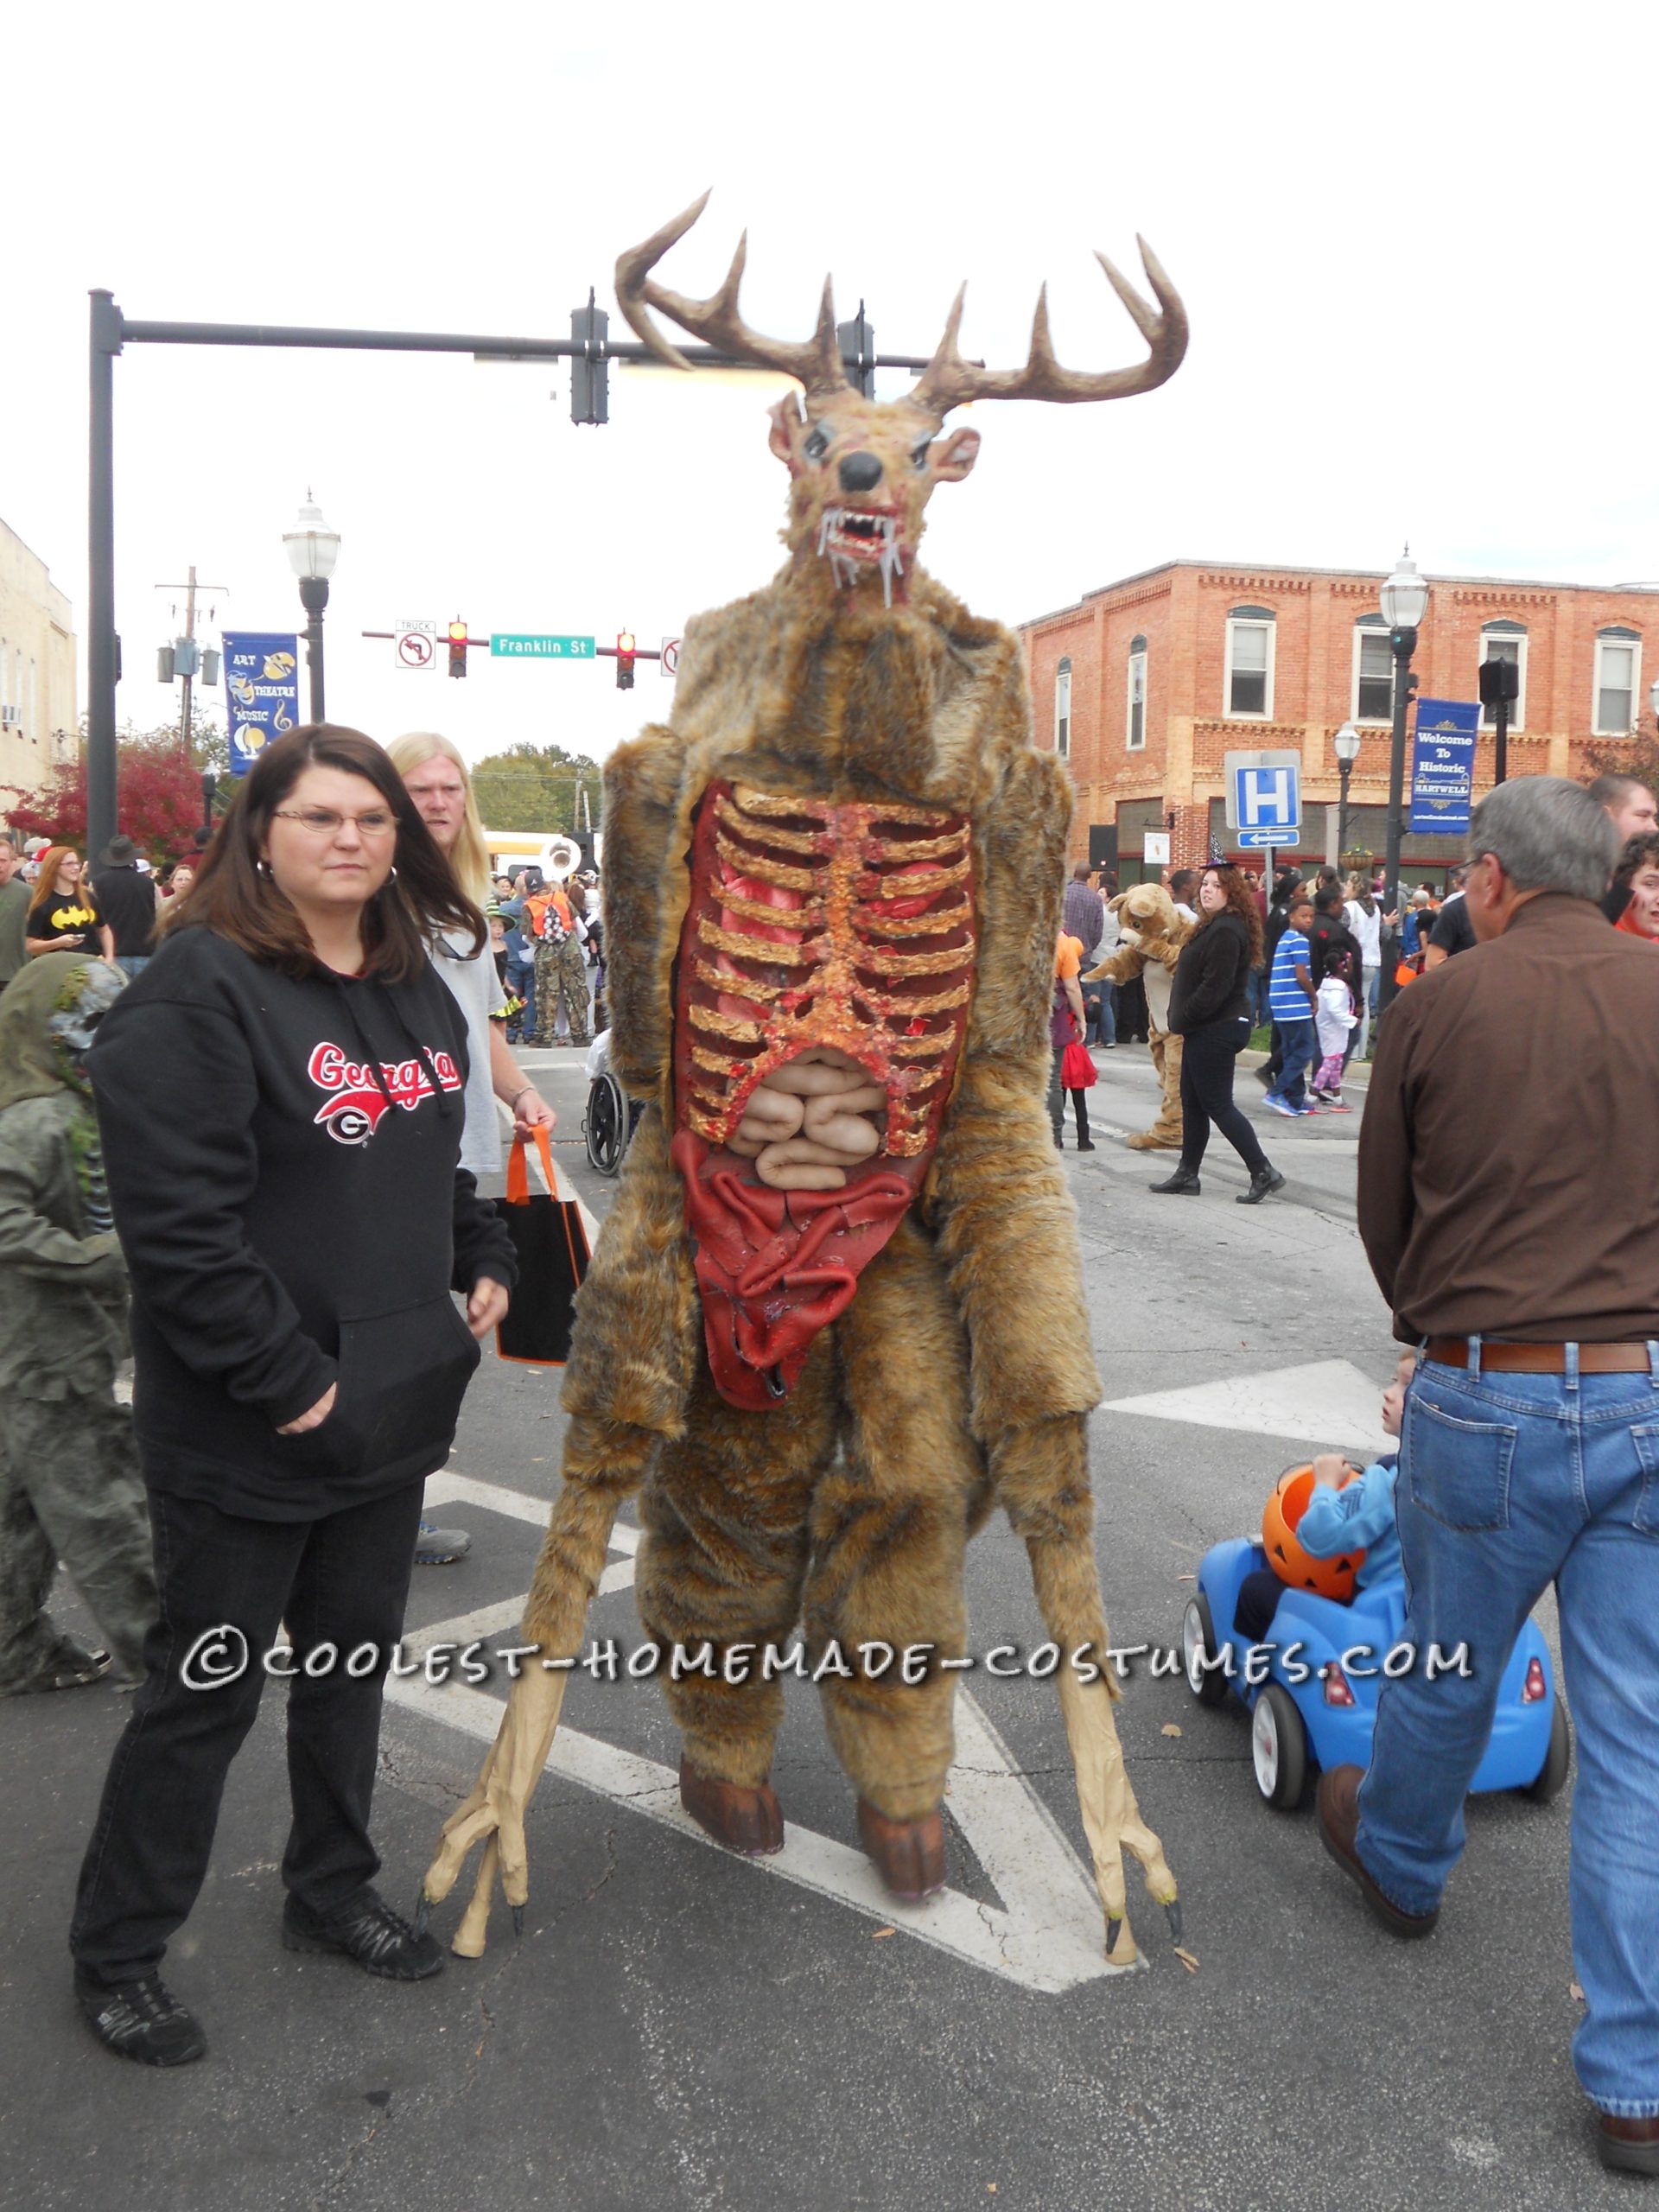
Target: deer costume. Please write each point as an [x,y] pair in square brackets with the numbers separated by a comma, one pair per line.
[1152,935]
[837,1314]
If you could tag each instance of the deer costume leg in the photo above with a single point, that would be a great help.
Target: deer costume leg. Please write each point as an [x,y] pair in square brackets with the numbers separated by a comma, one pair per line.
[626,1390]
[889,1526]
[1042,1476]
[726,1517]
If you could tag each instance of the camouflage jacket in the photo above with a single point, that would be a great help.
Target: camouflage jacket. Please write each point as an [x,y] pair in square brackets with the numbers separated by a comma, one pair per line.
[63,1294]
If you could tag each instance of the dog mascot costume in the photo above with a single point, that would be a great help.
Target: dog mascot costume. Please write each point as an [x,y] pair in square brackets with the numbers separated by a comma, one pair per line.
[836,1314]
[1154,934]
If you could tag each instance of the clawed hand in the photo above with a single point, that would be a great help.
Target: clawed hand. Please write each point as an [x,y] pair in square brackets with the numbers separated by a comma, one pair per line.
[804,1126]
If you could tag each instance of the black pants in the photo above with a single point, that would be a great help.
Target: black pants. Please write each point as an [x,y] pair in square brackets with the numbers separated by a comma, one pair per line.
[1057,1096]
[340,1580]
[1208,1056]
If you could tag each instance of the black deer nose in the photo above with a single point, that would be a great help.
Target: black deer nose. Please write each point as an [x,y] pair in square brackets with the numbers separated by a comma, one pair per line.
[859,471]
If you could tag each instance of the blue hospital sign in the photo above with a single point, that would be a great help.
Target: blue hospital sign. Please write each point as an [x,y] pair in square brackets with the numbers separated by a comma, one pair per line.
[1268,799]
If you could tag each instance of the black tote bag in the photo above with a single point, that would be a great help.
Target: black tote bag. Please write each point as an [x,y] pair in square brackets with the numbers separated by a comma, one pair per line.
[551,1244]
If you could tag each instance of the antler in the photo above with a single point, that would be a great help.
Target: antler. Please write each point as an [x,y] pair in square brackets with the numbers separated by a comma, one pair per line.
[817,362]
[948,380]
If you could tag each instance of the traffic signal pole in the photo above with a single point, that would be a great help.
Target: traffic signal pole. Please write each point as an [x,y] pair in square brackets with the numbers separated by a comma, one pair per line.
[589,347]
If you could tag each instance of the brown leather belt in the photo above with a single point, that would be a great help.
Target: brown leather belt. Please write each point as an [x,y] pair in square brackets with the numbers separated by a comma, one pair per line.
[1538,1359]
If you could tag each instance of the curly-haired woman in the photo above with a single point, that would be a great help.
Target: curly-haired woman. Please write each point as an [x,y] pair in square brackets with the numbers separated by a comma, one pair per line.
[1208,1008]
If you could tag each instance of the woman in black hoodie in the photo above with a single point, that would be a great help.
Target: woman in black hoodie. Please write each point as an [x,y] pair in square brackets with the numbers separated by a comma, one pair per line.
[280,1100]
[1208,1004]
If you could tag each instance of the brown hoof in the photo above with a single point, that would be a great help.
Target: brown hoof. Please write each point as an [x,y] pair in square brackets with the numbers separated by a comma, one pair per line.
[746,1821]
[909,1855]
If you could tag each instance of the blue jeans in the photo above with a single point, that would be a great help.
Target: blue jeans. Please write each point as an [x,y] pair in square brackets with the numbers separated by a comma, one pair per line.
[1508,1482]
[1100,1014]
[132,965]
[1298,1050]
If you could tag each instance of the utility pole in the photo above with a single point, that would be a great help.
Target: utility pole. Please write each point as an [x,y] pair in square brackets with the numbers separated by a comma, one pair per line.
[190,658]
[181,659]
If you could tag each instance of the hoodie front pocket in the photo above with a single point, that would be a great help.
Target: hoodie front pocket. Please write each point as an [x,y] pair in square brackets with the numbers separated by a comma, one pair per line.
[402,1378]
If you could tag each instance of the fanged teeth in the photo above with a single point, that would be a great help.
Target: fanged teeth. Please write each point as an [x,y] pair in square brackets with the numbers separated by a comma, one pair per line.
[850,535]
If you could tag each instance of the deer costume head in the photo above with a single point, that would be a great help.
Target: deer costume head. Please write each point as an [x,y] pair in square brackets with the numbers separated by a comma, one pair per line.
[861,470]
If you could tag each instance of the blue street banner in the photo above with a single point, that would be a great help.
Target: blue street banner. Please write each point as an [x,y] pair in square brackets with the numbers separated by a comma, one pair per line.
[262,685]
[1443,766]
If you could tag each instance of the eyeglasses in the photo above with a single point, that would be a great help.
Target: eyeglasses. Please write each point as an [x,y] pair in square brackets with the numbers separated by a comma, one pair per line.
[323,822]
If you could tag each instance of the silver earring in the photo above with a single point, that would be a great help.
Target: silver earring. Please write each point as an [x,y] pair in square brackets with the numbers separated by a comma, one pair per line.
[264,867]
[392,873]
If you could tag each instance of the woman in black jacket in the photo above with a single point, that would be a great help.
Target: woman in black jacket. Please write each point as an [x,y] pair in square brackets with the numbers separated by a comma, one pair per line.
[1208,1005]
[279,1095]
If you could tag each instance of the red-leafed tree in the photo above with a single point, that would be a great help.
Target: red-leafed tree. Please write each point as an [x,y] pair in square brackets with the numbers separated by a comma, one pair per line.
[158,794]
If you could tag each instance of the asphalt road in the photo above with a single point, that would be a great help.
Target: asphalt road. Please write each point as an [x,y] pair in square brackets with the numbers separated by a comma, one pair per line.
[677,2028]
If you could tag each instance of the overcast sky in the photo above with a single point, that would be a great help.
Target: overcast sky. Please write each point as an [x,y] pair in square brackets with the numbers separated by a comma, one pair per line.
[1414,246]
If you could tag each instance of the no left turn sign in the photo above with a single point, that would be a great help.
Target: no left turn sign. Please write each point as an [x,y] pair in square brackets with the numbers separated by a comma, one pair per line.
[415,649]
[670,663]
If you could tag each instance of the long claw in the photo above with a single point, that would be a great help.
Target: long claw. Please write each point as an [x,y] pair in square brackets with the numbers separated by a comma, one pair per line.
[519,1920]
[1172,1914]
[422,1913]
[1114,1929]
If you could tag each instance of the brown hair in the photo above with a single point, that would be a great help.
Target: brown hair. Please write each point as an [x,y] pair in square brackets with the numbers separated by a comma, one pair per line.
[1642,852]
[236,898]
[1240,900]
[46,883]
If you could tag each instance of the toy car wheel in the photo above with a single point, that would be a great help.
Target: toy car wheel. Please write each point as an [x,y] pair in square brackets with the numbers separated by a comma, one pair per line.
[1198,1655]
[606,1127]
[1557,1760]
[1277,1748]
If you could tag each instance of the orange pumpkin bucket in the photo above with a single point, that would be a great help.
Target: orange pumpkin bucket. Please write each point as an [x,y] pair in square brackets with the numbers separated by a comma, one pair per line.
[1327,1577]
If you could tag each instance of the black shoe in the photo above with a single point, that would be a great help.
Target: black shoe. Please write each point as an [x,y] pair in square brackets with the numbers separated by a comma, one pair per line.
[1182,1184]
[1085,1144]
[142,2020]
[1265,1181]
[368,1931]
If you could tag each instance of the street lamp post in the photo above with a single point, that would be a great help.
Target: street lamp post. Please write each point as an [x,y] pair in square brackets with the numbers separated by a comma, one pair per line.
[1345,745]
[209,789]
[1404,601]
[312,550]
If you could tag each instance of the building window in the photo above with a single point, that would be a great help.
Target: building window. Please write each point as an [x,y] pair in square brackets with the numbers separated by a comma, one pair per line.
[1619,664]
[1506,641]
[1062,709]
[1249,662]
[1135,736]
[1373,672]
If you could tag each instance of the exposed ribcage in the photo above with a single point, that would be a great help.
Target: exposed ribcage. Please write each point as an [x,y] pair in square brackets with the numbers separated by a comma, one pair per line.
[849,926]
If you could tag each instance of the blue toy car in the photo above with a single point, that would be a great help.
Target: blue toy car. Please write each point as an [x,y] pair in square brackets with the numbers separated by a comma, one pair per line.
[1313,1700]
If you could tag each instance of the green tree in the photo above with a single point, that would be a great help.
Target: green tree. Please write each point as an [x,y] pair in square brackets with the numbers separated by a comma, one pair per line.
[535,787]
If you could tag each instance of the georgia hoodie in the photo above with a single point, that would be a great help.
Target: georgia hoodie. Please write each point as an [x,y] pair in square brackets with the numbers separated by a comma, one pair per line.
[282,1159]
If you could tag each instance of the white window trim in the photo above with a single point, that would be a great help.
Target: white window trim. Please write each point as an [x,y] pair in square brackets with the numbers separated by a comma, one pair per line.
[1633,646]
[1370,721]
[1063,674]
[1129,742]
[1228,712]
[1518,711]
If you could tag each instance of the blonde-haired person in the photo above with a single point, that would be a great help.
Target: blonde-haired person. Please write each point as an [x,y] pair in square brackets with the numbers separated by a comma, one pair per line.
[435,778]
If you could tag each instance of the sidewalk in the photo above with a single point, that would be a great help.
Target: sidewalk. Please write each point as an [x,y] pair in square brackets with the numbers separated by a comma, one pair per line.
[1359,1073]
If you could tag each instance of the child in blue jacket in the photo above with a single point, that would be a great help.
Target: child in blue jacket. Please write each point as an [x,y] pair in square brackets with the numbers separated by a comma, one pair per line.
[1359,1517]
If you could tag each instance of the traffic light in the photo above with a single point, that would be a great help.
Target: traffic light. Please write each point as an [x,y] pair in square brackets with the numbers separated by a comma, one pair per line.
[590,371]
[624,660]
[457,649]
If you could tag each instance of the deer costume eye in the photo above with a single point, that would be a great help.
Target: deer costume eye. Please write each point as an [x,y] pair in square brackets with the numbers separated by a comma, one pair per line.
[920,452]
[816,443]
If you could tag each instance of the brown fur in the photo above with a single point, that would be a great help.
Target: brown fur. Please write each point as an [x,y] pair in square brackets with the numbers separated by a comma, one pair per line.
[1154,934]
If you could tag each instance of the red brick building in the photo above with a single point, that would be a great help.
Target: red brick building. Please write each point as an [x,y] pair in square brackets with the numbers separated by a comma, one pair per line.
[1143,686]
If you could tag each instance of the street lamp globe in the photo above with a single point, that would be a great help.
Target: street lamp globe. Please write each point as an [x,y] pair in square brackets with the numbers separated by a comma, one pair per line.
[1404,598]
[1345,744]
[311,546]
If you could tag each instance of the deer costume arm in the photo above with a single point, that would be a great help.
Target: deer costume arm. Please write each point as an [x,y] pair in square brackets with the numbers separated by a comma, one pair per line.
[1120,967]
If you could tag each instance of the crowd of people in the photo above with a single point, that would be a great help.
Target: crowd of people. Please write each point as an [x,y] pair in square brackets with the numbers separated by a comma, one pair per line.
[340,974]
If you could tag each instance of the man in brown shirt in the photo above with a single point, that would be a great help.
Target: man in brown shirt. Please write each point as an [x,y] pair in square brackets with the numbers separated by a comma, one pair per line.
[1509,1202]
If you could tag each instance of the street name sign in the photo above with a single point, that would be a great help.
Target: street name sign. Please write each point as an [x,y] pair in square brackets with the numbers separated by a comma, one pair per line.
[535,645]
